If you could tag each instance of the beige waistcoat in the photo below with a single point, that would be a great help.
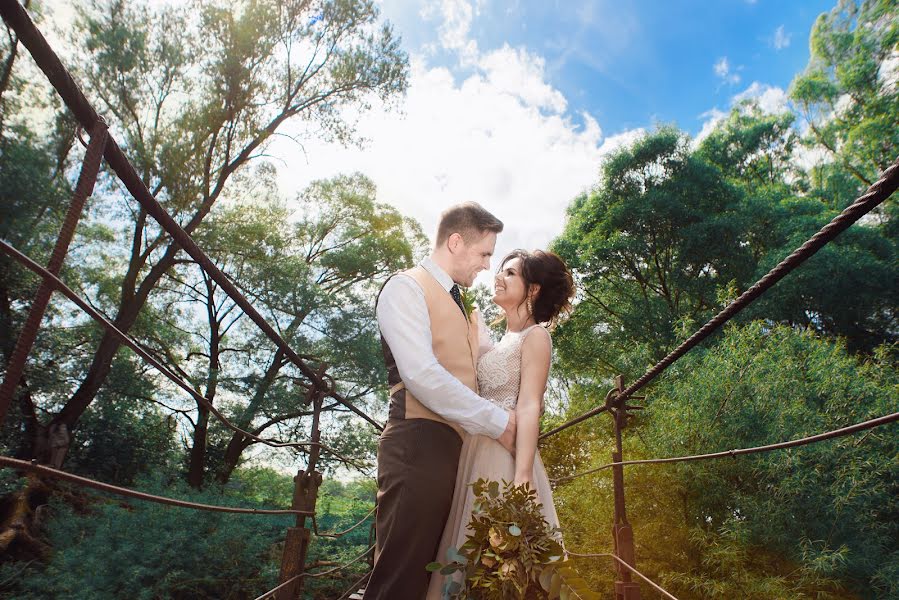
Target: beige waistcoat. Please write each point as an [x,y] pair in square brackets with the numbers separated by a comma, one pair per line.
[454,340]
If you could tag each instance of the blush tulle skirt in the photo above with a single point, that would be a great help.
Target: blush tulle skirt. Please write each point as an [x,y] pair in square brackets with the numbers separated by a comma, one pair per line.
[483,458]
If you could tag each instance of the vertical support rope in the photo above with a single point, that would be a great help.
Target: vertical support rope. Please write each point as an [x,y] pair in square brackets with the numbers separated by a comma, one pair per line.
[90,167]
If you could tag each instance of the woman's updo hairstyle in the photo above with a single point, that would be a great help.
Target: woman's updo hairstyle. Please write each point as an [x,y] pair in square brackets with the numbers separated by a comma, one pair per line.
[551,273]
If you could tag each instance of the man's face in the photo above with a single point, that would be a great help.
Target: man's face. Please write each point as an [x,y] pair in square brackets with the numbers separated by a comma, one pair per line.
[472,258]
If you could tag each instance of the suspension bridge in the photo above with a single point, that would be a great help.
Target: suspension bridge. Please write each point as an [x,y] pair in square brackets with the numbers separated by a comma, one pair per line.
[294,568]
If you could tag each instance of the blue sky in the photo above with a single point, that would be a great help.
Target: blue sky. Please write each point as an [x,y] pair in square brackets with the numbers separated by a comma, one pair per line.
[632,64]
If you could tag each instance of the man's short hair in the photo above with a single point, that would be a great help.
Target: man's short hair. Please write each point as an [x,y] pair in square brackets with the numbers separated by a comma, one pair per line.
[470,220]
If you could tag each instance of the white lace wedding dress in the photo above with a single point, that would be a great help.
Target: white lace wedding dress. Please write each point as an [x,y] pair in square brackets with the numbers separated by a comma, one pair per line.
[499,378]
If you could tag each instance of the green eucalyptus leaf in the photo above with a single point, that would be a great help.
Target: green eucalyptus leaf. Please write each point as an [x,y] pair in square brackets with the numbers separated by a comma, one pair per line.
[493,489]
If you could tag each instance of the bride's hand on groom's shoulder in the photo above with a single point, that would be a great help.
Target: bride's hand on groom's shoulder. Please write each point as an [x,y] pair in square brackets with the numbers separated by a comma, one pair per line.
[507,439]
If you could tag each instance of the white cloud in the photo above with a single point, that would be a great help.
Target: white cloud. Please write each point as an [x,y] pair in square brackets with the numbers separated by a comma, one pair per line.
[770,99]
[725,72]
[888,73]
[804,158]
[500,136]
[612,143]
[521,74]
[721,67]
[494,131]
[712,118]
[456,17]
[781,38]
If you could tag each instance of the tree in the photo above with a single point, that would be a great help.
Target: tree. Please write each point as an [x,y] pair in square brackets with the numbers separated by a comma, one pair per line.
[846,289]
[313,274]
[197,94]
[849,93]
[650,247]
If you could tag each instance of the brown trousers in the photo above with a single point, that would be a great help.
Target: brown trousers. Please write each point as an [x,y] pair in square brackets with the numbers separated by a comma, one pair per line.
[417,462]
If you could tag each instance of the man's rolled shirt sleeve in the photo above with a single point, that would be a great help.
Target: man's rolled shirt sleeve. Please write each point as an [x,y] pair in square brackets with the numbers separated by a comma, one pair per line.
[404,322]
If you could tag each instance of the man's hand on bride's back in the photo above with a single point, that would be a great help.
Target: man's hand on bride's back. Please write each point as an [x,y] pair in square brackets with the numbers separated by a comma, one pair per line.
[507,439]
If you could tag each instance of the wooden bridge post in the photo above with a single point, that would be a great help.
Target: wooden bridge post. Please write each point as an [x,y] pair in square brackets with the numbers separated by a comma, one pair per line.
[293,561]
[622,534]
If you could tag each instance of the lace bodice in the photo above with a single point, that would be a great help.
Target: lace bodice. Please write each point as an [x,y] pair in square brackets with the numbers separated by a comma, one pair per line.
[499,370]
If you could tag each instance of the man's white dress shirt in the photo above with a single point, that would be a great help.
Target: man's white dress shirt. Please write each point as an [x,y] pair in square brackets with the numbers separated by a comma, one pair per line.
[405,324]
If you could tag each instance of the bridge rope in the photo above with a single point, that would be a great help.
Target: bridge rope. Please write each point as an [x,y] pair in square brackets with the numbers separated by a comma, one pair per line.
[355,586]
[308,575]
[624,564]
[870,424]
[339,534]
[128,341]
[879,191]
[24,465]
[271,593]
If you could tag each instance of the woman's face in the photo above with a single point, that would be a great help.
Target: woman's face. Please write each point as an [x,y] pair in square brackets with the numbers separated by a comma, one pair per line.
[509,285]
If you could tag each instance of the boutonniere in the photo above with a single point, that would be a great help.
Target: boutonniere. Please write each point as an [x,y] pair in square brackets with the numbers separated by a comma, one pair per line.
[467,302]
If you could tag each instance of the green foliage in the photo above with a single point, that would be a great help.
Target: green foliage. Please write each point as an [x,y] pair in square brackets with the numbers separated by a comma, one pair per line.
[110,549]
[847,287]
[812,522]
[116,443]
[650,246]
[340,507]
[510,552]
[752,147]
[195,93]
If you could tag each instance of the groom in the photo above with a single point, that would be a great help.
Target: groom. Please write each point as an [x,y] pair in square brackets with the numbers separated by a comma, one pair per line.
[431,350]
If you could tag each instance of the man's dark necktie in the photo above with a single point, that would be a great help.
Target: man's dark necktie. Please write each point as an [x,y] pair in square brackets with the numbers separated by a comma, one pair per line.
[457,296]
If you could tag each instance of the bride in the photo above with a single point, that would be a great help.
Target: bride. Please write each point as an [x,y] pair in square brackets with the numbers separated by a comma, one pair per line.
[532,289]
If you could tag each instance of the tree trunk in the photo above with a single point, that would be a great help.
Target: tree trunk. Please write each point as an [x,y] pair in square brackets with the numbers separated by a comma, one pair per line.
[198,450]
[6,75]
[233,452]
[26,448]
[18,514]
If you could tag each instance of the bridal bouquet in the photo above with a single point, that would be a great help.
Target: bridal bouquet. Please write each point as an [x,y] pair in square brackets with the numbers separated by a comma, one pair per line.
[510,552]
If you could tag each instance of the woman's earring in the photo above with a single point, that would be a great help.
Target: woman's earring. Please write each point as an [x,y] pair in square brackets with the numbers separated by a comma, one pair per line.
[530,306]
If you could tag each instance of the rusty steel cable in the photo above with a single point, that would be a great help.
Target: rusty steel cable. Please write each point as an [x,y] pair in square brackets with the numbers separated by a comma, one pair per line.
[355,586]
[624,564]
[47,60]
[344,565]
[24,465]
[90,167]
[876,194]
[338,534]
[133,345]
[271,593]
[870,424]
[308,575]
